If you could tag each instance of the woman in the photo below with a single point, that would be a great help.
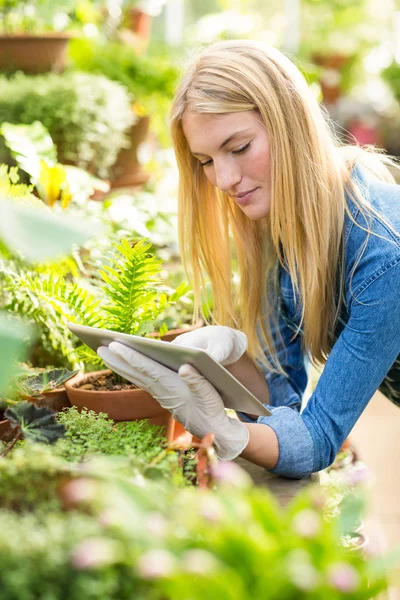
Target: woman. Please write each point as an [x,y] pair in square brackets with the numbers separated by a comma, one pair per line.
[316,236]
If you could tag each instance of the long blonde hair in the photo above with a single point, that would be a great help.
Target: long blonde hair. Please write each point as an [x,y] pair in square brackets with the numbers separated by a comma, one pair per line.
[309,172]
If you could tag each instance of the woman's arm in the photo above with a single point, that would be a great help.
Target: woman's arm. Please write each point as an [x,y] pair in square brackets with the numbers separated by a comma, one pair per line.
[247,373]
[262,448]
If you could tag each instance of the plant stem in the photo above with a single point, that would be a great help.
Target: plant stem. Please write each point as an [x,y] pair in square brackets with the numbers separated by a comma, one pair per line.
[11,446]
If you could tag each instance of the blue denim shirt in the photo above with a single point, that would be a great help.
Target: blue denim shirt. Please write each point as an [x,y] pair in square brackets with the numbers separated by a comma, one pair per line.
[362,355]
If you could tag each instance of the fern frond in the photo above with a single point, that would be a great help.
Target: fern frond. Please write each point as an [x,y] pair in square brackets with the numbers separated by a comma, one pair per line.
[131,277]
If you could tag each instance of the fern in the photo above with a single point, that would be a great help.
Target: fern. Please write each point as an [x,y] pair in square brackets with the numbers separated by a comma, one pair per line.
[133,297]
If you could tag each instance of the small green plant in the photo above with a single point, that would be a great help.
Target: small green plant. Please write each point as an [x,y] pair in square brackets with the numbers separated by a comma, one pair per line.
[86,115]
[30,476]
[36,386]
[88,434]
[33,423]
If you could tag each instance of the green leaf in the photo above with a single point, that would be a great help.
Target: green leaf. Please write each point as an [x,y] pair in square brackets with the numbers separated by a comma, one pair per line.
[39,234]
[46,382]
[14,335]
[29,144]
[37,424]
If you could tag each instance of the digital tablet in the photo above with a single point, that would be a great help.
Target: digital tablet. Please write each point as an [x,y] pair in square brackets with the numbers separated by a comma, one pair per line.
[233,393]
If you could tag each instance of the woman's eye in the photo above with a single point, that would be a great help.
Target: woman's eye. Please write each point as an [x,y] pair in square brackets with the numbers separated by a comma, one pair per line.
[206,164]
[242,149]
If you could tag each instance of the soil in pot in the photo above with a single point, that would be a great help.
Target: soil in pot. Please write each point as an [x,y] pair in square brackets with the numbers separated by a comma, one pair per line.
[120,400]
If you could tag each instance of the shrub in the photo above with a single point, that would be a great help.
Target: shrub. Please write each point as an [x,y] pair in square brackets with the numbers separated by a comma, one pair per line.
[86,115]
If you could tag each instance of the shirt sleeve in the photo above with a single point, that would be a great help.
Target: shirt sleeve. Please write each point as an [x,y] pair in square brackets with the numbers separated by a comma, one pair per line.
[363,354]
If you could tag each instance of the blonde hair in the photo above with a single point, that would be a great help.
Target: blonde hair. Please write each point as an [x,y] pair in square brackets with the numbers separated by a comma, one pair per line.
[303,232]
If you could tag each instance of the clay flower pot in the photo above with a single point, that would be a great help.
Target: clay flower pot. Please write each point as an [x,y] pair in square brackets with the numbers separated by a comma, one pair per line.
[121,405]
[127,170]
[5,430]
[57,399]
[34,53]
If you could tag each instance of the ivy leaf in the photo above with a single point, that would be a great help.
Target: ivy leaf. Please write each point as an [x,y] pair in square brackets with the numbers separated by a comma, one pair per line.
[36,424]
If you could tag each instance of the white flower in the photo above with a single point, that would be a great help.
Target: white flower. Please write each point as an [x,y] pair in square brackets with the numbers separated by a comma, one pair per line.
[155,564]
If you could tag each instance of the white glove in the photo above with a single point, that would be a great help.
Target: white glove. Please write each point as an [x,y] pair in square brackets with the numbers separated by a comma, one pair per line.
[224,344]
[191,399]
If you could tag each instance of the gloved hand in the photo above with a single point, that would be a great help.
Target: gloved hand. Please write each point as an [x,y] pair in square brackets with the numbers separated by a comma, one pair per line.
[191,399]
[224,344]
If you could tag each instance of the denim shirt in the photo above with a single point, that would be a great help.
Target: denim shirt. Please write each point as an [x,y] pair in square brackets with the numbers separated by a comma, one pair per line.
[362,355]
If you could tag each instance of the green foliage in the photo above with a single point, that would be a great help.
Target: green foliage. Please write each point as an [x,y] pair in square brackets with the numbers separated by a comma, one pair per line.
[33,149]
[86,115]
[11,188]
[155,542]
[89,434]
[37,557]
[391,75]
[34,16]
[29,478]
[151,81]
[34,423]
[47,381]
[129,300]
[14,336]
[131,289]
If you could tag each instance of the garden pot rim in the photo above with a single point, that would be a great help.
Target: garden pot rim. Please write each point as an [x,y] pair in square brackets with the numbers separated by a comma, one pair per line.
[47,35]
[71,383]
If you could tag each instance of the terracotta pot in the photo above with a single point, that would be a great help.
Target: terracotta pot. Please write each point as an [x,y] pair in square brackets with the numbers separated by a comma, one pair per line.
[330,80]
[140,23]
[122,405]
[173,333]
[34,53]
[5,431]
[127,171]
[56,399]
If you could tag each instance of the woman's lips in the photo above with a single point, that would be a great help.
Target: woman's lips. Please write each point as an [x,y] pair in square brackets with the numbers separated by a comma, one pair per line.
[244,200]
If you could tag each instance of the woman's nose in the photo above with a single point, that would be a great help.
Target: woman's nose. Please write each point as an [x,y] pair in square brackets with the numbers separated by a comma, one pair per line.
[227,176]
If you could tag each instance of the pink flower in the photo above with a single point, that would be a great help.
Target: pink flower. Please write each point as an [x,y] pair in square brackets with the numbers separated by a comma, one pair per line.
[359,474]
[307,523]
[343,577]
[94,553]
[229,474]
[78,491]
[210,508]
[156,524]
[155,564]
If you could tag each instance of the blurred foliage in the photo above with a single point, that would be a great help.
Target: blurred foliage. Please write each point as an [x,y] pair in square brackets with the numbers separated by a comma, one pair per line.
[122,536]
[86,115]
[35,153]
[150,81]
[35,16]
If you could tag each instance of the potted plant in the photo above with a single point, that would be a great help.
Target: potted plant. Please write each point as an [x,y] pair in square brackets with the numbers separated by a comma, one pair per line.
[150,81]
[47,388]
[129,302]
[32,36]
[336,35]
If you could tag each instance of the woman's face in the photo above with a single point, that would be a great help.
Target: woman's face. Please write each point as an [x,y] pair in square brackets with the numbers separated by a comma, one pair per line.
[233,150]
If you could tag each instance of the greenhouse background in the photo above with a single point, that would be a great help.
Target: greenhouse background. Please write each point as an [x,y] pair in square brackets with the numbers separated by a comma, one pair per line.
[103,495]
